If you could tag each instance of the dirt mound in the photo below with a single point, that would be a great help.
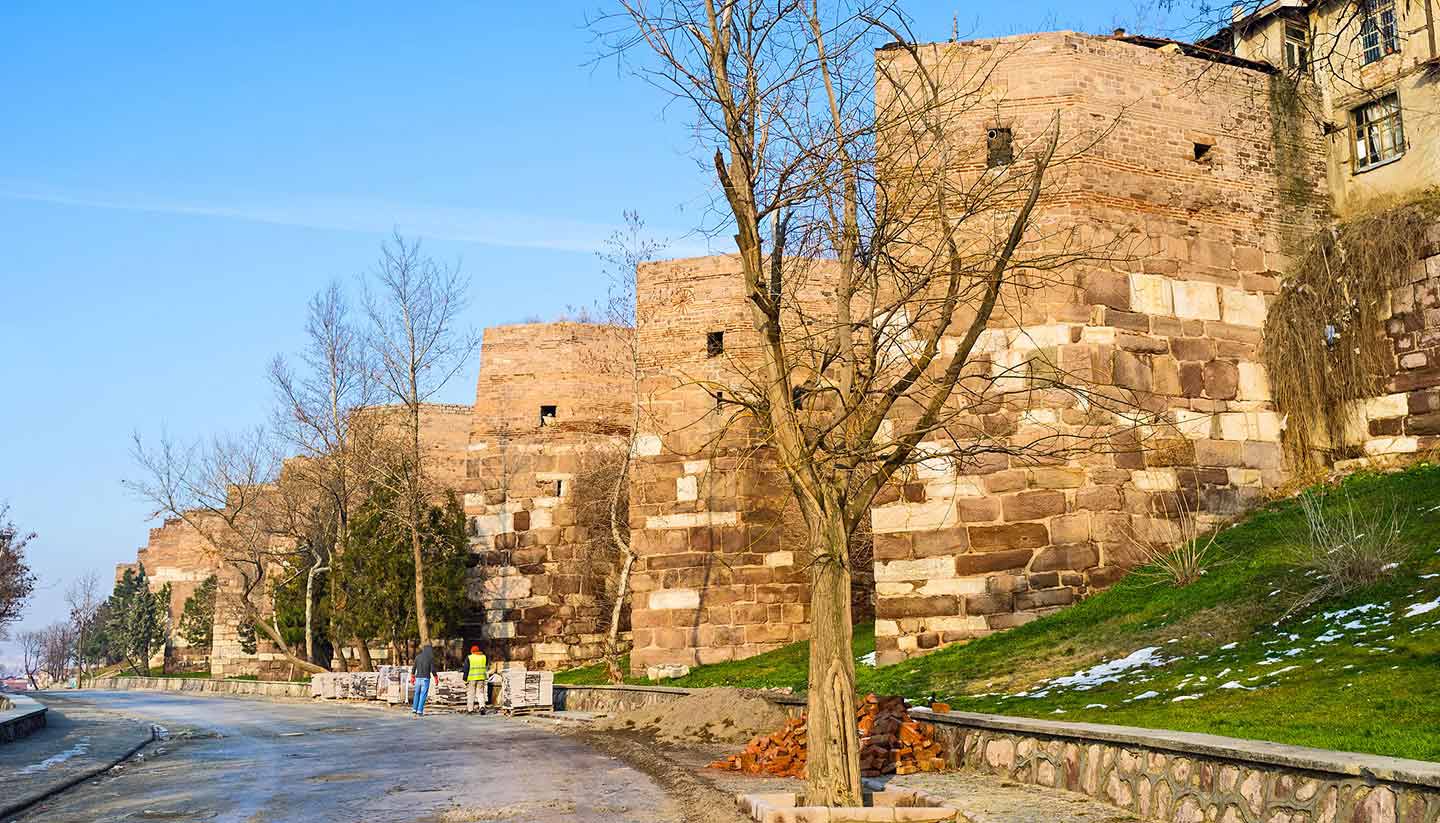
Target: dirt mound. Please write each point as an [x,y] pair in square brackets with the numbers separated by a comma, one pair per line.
[707,716]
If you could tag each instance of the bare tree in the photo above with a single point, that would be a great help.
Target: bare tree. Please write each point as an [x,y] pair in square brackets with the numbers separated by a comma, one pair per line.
[32,658]
[417,345]
[320,416]
[17,582]
[872,266]
[84,599]
[57,649]
[625,251]
[226,489]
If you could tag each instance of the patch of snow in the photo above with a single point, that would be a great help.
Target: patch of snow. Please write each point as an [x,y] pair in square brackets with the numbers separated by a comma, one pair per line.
[1361,609]
[53,760]
[1417,609]
[1294,652]
[1388,566]
[1110,671]
[1186,697]
[1229,646]
[1058,711]
[1235,684]
[1330,636]
[1279,672]
[1223,673]
[1272,594]
[1097,706]
[1144,696]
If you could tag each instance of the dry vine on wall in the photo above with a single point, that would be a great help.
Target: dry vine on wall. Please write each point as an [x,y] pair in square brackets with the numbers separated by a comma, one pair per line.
[1325,343]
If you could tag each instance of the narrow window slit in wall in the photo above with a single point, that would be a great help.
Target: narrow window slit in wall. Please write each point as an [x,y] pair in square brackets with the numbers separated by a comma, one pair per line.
[999,147]
[547,415]
[714,343]
[1202,150]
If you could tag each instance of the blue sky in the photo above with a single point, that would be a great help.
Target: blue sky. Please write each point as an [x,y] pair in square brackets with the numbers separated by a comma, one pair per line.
[177,179]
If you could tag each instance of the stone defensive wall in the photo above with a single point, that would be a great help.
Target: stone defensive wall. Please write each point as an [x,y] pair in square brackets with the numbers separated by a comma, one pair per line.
[1406,420]
[1175,777]
[718,575]
[1188,193]
[548,435]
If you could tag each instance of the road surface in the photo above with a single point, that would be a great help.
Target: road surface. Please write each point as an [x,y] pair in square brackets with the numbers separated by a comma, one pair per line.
[323,761]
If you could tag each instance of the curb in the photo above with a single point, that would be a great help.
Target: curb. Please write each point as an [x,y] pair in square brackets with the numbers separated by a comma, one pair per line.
[27,802]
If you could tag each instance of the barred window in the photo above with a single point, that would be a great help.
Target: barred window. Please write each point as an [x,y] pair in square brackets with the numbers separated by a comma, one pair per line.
[1379,134]
[1378,33]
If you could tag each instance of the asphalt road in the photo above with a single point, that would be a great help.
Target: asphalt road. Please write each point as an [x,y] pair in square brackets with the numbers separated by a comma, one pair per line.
[284,761]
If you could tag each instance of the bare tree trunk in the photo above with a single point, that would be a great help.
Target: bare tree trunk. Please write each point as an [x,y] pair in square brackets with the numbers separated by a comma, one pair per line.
[362,648]
[310,607]
[417,511]
[612,643]
[622,584]
[832,776]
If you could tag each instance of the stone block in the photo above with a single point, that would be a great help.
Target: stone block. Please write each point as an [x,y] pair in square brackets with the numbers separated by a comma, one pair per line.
[896,517]
[1033,505]
[1253,382]
[1195,300]
[1244,309]
[992,561]
[1222,380]
[1106,289]
[675,599]
[927,569]
[1131,371]
[1073,557]
[1151,294]
[1010,536]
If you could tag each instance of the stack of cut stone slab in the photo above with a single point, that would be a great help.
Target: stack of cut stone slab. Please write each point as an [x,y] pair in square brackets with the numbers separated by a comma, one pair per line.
[394,684]
[345,685]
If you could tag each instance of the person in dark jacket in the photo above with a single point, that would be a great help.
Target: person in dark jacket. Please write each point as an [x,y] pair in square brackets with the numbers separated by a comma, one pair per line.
[420,676]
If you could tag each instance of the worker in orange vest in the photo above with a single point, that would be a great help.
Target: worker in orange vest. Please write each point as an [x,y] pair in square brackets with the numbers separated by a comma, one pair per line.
[475,680]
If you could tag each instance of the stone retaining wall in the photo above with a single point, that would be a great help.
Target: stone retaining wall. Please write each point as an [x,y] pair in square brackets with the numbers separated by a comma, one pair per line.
[612,699]
[258,688]
[1194,778]
[1182,777]
[20,717]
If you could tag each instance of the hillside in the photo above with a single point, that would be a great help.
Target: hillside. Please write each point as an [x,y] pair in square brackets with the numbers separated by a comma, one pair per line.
[1357,673]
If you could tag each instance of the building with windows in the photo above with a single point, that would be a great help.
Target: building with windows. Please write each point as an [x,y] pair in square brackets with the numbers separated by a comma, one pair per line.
[1375,70]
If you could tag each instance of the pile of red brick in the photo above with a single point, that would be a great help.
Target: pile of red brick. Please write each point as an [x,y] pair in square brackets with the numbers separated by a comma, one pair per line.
[891,742]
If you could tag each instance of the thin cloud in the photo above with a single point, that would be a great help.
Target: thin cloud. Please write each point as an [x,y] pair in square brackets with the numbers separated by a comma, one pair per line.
[458,224]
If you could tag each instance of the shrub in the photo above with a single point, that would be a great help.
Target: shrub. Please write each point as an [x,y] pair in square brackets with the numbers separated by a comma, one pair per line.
[1345,545]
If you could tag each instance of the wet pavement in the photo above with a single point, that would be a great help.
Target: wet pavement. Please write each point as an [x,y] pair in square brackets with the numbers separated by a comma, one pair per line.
[235,759]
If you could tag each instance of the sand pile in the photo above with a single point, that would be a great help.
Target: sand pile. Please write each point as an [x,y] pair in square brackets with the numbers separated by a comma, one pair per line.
[708,716]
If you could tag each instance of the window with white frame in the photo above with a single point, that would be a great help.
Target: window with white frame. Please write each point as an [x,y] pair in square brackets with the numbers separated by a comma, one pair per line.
[1379,134]
[1379,35]
[1297,47]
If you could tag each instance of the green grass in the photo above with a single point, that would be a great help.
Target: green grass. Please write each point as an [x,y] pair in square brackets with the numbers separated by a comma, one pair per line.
[1376,688]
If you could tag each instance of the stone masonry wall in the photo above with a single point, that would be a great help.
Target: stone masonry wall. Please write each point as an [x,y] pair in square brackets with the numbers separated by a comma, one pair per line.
[1406,420]
[717,578]
[1187,787]
[178,555]
[1171,327]
[535,496]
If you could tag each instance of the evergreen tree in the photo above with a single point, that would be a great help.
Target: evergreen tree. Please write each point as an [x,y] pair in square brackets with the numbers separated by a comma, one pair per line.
[197,619]
[374,578]
[138,619]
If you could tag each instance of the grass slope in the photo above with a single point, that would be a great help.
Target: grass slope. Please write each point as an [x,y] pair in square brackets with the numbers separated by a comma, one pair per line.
[1361,673]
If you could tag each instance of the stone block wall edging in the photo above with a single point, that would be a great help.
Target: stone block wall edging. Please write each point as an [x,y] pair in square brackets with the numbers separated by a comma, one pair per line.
[1183,777]
[25,716]
[260,688]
